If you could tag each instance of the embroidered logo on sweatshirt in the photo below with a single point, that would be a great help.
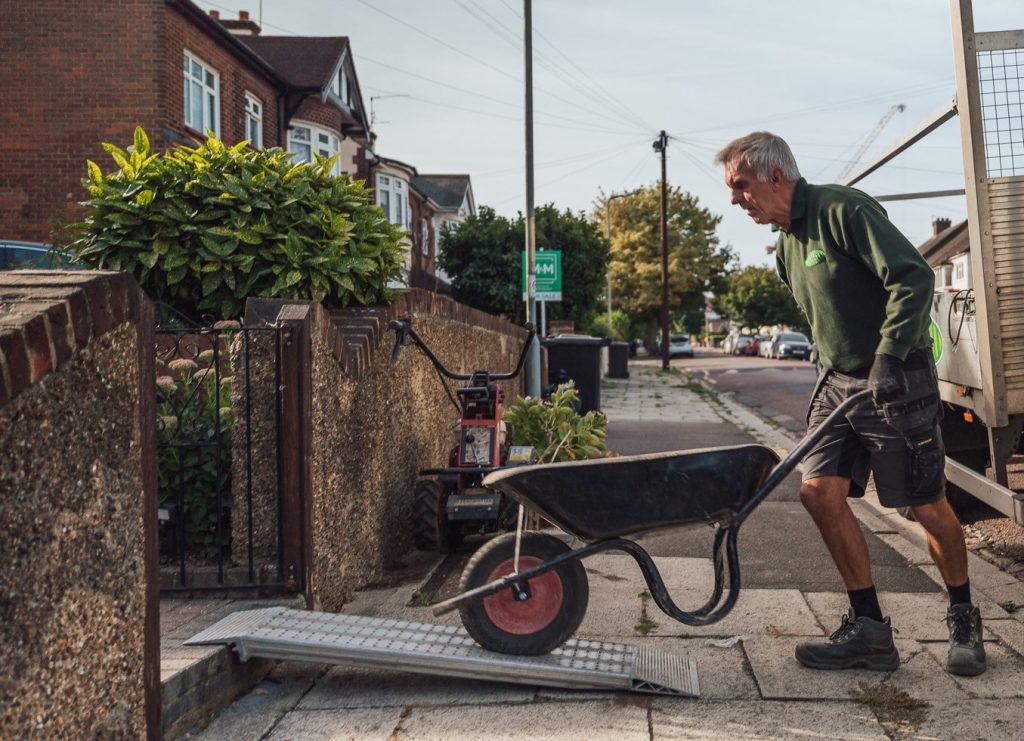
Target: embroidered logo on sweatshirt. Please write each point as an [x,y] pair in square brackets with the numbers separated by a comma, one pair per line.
[815,258]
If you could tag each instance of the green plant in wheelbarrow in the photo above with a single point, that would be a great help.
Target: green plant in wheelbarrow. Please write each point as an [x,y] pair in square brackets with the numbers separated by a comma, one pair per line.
[203,228]
[554,428]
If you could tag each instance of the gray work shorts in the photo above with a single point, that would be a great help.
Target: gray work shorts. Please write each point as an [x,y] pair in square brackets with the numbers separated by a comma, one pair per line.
[908,468]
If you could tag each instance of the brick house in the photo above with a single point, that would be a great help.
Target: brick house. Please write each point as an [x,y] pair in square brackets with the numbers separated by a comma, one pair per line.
[321,101]
[75,75]
[408,210]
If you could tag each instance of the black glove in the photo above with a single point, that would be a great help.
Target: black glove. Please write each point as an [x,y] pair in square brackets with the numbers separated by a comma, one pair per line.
[887,380]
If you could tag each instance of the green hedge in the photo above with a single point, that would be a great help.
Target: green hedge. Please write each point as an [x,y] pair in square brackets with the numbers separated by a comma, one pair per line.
[204,228]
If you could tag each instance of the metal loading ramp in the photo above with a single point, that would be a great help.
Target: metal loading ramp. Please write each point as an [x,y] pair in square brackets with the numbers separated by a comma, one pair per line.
[441,650]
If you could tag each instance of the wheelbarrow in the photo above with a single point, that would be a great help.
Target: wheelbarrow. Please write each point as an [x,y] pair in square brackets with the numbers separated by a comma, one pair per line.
[526,593]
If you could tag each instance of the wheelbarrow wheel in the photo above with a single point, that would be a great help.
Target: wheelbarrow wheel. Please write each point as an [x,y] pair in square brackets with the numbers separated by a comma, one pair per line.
[552,612]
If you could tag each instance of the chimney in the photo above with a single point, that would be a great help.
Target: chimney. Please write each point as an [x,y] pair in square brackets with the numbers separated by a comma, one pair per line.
[939,225]
[244,26]
[215,14]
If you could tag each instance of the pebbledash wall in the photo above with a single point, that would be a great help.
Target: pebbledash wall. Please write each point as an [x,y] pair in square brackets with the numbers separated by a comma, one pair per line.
[374,424]
[79,635]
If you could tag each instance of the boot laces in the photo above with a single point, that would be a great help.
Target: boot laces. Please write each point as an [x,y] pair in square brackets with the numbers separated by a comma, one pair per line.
[846,629]
[961,626]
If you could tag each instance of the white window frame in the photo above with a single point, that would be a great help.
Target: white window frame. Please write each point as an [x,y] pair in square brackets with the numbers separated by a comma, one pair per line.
[314,143]
[425,237]
[393,197]
[254,121]
[343,87]
[209,112]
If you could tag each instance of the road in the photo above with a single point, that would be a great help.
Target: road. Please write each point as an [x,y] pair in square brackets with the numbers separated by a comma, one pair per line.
[776,389]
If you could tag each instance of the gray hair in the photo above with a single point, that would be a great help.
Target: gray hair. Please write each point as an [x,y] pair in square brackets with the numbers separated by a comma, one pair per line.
[762,152]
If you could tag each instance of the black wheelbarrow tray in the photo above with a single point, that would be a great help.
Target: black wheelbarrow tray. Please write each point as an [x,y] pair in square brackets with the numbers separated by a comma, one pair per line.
[526,592]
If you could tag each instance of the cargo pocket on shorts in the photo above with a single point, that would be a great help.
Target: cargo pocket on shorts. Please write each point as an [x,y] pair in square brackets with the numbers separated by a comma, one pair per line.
[927,462]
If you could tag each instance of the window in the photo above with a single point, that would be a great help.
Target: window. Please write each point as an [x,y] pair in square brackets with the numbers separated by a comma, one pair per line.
[342,87]
[425,236]
[393,197]
[960,271]
[254,121]
[306,139]
[202,96]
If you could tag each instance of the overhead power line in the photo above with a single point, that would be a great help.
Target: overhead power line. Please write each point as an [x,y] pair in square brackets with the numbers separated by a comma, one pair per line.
[479,61]
[482,96]
[599,93]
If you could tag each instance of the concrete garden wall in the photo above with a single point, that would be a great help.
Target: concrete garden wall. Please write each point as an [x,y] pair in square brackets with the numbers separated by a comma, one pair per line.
[79,606]
[374,425]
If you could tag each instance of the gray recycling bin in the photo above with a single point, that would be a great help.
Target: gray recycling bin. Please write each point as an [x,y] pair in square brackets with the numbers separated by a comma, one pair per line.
[577,357]
[618,360]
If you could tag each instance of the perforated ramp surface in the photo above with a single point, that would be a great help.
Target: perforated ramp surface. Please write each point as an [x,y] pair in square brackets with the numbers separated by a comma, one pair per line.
[298,635]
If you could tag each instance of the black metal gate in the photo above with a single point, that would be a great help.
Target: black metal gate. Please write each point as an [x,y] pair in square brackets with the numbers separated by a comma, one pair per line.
[219,465]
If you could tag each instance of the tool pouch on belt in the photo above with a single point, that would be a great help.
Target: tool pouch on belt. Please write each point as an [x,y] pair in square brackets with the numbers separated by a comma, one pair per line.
[917,420]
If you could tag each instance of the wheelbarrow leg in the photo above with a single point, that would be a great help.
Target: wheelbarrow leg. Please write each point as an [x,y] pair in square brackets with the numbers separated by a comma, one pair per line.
[703,615]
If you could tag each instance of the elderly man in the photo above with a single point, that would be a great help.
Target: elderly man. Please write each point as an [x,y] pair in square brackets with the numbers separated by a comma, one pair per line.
[866,293]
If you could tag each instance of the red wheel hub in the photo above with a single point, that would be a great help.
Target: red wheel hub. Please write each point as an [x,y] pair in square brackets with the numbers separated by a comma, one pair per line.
[531,615]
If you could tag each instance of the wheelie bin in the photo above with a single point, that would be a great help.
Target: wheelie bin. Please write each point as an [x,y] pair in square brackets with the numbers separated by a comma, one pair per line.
[577,357]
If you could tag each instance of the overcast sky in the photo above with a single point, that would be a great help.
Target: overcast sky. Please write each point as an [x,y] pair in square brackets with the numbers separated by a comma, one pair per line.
[609,75]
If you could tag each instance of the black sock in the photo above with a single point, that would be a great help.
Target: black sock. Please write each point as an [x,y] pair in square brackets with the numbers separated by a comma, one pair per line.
[960,595]
[865,603]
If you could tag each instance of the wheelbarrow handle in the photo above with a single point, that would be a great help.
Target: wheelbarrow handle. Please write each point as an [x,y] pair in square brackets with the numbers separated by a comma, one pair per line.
[787,464]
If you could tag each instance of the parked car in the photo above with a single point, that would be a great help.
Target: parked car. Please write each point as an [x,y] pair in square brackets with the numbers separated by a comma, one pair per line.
[766,348]
[679,346]
[27,255]
[791,345]
[741,344]
[754,348]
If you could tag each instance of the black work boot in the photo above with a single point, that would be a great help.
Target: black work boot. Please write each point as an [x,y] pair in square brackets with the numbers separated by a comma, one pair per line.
[858,643]
[966,649]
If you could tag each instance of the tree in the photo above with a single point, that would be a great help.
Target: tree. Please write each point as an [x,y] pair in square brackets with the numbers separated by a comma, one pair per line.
[483,257]
[696,261]
[757,296]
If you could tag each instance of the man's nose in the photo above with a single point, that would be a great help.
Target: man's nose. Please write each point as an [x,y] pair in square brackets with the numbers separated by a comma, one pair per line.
[736,199]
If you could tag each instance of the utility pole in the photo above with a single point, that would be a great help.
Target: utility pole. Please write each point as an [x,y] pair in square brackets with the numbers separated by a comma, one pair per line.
[533,366]
[661,146]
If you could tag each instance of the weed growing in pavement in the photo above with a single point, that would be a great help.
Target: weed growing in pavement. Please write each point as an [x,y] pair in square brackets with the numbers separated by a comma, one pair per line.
[420,599]
[646,624]
[892,706]
[1011,606]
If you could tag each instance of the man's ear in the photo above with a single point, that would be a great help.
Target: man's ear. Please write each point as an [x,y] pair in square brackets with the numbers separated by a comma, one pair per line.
[777,177]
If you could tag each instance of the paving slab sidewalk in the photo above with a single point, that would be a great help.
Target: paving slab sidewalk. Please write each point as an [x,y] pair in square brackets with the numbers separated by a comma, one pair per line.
[751,685]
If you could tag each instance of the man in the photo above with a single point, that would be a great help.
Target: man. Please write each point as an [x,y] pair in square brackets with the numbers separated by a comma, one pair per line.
[866,293]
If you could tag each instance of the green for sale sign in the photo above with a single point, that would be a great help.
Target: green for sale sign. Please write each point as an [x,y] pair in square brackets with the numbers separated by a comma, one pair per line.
[549,276]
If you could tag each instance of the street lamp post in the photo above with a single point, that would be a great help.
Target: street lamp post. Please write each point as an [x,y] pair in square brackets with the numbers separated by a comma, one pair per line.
[608,236]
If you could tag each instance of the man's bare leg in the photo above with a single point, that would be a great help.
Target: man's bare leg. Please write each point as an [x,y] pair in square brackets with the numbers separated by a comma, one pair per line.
[945,540]
[824,499]
[864,640]
[946,544]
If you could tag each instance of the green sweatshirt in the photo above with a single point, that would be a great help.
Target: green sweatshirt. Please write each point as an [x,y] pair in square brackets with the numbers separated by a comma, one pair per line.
[864,287]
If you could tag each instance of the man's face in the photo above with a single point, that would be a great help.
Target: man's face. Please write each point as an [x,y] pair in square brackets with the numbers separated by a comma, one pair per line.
[761,201]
